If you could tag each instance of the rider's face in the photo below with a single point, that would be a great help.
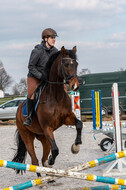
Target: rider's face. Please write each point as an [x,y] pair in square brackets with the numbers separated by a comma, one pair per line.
[51,41]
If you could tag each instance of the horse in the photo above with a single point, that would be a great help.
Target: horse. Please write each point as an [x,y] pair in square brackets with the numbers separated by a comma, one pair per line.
[54,110]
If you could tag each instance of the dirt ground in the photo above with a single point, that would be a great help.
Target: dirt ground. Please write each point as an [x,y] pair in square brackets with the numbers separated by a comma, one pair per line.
[64,137]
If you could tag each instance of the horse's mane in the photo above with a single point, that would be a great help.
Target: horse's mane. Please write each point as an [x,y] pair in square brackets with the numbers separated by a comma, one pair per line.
[51,60]
[55,55]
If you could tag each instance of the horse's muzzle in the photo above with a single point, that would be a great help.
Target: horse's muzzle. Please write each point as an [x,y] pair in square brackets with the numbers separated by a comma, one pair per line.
[74,84]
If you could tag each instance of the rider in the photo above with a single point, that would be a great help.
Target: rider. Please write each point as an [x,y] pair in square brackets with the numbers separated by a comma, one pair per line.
[37,63]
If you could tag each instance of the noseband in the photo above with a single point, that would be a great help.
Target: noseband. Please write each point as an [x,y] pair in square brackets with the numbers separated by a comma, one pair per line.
[66,79]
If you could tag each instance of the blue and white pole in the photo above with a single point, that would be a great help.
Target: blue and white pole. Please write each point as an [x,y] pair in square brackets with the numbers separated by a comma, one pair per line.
[105,187]
[84,166]
[29,184]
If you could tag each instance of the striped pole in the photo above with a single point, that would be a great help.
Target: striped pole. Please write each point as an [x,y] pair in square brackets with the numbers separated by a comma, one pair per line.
[88,177]
[39,181]
[63,173]
[84,166]
[105,187]
[99,161]
[32,168]
[29,184]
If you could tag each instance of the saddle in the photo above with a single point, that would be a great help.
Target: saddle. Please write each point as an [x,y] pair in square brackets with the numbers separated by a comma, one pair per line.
[37,94]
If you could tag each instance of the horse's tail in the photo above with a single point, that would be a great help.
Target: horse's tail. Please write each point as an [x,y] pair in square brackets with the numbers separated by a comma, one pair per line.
[21,153]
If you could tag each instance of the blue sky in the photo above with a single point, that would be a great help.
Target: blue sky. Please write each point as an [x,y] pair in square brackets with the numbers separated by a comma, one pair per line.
[96,27]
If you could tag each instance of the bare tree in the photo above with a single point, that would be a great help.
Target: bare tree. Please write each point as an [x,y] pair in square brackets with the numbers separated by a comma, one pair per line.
[5,79]
[122,69]
[20,88]
[16,90]
[84,72]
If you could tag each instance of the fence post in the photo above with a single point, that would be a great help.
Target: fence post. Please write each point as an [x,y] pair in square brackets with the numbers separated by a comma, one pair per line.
[100,109]
[93,109]
[96,109]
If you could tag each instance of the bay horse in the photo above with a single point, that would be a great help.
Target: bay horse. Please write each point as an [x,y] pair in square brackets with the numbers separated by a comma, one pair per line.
[54,110]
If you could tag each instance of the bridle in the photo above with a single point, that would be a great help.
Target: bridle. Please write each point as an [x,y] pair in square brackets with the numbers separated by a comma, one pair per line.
[66,78]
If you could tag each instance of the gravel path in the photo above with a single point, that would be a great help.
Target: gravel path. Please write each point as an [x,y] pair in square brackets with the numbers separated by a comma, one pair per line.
[64,138]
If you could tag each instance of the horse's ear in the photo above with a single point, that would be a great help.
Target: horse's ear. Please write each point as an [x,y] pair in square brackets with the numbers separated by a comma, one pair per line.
[74,49]
[63,51]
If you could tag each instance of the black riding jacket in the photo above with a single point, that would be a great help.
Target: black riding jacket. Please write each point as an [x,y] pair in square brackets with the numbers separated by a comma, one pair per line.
[38,59]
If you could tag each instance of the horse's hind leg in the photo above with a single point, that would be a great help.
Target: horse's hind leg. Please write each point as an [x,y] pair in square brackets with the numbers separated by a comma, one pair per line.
[29,142]
[28,139]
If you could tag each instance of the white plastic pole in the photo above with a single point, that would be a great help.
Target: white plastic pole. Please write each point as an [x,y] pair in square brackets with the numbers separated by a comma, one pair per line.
[116,118]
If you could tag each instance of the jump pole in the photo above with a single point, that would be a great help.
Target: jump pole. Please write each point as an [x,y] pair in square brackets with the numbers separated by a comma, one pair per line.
[76,175]
[40,181]
[80,167]
[105,187]
[68,173]
[116,168]
[29,184]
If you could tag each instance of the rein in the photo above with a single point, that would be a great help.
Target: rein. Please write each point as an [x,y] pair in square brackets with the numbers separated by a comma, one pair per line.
[63,73]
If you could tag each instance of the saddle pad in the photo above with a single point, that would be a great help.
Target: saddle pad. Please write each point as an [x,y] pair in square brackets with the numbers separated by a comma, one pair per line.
[25,108]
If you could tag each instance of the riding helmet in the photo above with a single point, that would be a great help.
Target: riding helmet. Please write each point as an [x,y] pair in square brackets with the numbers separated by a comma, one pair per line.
[49,32]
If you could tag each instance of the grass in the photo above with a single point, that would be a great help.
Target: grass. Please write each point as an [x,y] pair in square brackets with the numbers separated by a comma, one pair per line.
[6,99]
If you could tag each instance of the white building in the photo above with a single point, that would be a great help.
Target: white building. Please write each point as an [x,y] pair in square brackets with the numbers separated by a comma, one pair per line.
[1,94]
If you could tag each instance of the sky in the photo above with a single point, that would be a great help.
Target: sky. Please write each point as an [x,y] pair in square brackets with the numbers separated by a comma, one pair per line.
[96,27]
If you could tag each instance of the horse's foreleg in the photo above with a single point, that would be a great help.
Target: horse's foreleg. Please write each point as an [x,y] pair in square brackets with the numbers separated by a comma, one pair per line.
[46,149]
[54,149]
[31,151]
[79,126]
[72,120]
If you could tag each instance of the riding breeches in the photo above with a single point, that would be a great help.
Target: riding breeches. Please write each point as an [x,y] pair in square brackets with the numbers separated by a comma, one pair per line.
[32,84]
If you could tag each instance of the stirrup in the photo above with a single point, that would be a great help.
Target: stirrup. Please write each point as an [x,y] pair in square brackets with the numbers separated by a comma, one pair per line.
[28,121]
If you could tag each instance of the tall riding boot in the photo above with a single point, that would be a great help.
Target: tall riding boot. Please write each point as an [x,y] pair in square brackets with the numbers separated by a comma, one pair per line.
[28,120]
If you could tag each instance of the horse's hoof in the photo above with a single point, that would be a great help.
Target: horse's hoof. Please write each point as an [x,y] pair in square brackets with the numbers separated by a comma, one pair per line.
[47,165]
[75,148]
[51,160]
[51,181]
[38,175]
